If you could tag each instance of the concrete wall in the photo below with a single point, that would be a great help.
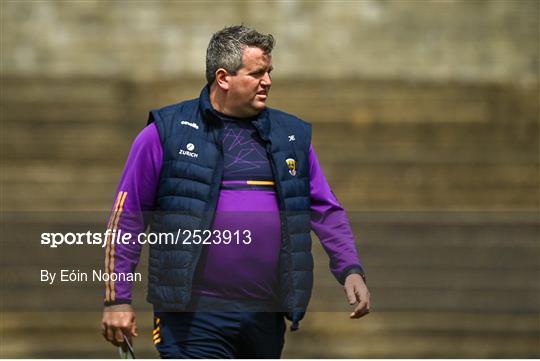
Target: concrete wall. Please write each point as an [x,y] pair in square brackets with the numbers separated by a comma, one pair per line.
[492,41]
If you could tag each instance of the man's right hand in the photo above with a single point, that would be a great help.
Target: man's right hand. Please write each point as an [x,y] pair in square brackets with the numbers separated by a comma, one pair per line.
[117,321]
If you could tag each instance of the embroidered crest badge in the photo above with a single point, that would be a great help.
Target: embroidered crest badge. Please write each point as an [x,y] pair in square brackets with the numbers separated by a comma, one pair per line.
[291,164]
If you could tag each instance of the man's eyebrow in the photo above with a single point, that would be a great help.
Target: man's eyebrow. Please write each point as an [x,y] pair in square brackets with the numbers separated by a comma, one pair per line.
[260,70]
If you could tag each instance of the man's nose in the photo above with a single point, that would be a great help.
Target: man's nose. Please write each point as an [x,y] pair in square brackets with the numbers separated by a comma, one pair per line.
[266,80]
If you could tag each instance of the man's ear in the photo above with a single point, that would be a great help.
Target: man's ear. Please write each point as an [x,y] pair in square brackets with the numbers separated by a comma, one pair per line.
[222,78]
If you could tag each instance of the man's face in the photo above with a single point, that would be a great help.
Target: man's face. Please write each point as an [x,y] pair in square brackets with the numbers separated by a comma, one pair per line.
[248,89]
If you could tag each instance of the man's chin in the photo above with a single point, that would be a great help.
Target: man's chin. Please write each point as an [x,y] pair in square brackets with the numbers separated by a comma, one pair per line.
[259,105]
[255,107]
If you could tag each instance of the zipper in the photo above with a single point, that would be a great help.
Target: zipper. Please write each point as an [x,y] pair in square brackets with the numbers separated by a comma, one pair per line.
[284,227]
[220,178]
[208,220]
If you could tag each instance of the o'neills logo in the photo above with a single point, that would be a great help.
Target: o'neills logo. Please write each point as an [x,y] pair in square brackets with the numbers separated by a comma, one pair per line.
[291,164]
[189,124]
[189,152]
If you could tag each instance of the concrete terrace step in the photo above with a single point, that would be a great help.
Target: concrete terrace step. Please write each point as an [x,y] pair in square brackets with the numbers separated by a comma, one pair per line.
[447,143]
[322,334]
[357,100]
[41,298]
[58,185]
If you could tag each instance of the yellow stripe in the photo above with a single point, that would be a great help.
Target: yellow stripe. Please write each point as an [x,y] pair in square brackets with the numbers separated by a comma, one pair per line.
[155,337]
[157,320]
[110,238]
[156,330]
[116,203]
[113,291]
[107,250]
[157,341]
[260,183]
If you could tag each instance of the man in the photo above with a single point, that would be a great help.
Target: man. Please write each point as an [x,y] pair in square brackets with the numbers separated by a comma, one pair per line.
[225,164]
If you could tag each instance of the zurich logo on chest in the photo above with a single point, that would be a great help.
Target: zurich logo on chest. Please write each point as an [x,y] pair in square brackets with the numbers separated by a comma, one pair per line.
[189,151]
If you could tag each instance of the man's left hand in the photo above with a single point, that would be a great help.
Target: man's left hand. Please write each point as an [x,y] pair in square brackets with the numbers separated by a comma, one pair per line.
[357,294]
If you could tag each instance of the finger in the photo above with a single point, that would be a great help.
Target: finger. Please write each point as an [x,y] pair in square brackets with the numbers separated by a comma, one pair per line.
[362,294]
[360,307]
[133,330]
[119,336]
[130,332]
[106,333]
[109,335]
[359,310]
[360,314]
[351,297]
